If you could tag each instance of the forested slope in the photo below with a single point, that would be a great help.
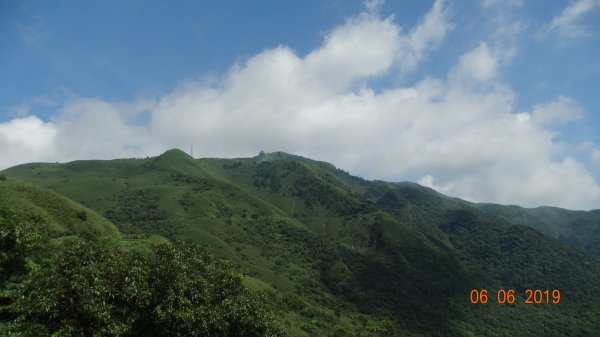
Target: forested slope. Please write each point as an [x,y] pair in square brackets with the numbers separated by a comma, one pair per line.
[324,246]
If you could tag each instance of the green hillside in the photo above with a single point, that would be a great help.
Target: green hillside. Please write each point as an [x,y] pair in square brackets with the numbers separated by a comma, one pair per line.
[67,271]
[61,216]
[425,208]
[324,246]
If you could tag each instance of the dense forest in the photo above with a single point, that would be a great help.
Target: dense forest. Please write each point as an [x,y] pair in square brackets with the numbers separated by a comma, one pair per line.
[280,245]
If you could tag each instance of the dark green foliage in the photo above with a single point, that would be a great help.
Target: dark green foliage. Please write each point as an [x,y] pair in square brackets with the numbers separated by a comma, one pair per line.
[232,166]
[82,215]
[2,177]
[388,288]
[390,201]
[316,192]
[177,290]
[136,205]
[368,327]
[186,201]
[199,184]
[19,234]
[166,229]
[266,176]
[520,258]
[584,231]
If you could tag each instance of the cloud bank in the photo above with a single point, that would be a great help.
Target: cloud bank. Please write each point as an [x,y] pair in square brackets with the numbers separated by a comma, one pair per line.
[458,134]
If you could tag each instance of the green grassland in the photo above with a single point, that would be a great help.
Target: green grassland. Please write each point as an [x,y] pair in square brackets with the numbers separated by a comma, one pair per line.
[61,216]
[333,254]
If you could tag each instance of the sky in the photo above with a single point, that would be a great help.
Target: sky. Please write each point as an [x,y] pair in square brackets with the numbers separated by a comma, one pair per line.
[486,100]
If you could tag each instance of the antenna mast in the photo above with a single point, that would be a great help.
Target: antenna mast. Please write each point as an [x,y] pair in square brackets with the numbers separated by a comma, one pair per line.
[192,151]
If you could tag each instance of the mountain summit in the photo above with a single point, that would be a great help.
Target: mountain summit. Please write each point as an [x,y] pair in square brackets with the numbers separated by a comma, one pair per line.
[324,246]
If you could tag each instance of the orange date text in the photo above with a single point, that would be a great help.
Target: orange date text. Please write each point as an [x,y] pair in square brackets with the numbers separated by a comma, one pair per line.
[508,296]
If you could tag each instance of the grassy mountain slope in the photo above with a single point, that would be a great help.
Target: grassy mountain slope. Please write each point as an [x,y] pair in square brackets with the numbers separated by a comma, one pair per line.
[61,216]
[65,270]
[325,245]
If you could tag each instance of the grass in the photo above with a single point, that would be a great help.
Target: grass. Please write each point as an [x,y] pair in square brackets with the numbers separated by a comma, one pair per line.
[61,216]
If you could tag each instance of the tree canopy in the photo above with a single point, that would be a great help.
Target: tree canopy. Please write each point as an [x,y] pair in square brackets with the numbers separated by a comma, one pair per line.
[97,289]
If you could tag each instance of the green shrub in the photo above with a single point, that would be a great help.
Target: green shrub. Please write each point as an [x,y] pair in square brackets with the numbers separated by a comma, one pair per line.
[89,289]
[82,215]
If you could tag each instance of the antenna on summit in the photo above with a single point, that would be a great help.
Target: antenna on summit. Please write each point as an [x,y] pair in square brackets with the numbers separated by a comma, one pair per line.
[192,150]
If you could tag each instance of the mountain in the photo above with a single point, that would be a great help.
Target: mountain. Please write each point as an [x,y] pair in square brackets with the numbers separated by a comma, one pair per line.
[65,270]
[425,207]
[324,246]
[61,216]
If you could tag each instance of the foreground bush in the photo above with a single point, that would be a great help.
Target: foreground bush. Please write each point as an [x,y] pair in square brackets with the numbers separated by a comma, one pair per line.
[89,289]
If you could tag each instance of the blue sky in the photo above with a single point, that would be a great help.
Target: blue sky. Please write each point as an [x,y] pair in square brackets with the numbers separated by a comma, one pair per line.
[487,100]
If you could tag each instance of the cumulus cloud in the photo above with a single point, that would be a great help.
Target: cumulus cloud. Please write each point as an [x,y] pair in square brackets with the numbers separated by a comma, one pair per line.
[94,128]
[363,47]
[563,109]
[452,133]
[567,22]
[477,66]
[27,139]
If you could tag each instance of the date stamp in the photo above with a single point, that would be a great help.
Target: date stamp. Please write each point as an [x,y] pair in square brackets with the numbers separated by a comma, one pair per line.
[508,296]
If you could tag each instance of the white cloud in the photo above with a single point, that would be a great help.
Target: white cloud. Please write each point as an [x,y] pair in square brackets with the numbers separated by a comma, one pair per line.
[426,36]
[563,109]
[365,46]
[566,23]
[477,66]
[92,128]
[27,139]
[461,137]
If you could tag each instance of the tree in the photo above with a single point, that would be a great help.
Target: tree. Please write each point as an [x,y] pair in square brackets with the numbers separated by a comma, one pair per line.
[19,234]
[90,289]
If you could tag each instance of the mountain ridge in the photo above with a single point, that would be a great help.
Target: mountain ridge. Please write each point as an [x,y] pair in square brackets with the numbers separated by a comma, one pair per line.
[324,244]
